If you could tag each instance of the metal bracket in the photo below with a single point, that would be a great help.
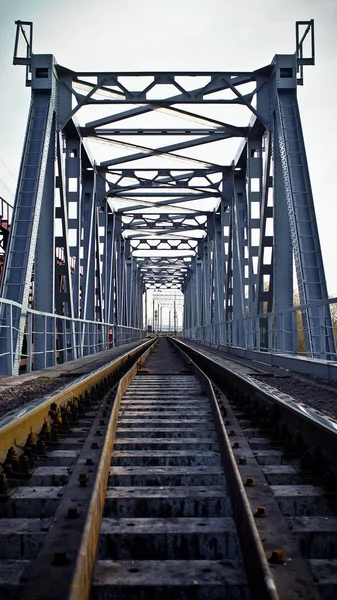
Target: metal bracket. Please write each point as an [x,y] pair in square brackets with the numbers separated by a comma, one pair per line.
[24,37]
[305,47]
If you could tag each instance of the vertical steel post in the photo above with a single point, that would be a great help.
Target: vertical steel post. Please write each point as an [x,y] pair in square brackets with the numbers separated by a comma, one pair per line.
[18,267]
[301,211]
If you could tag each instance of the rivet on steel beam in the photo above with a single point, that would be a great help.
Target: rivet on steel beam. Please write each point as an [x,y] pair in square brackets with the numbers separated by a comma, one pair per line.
[277,557]
[236,445]
[232,432]
[40,447]
[45,431]
[15,464]
[31,440]
[261,512]
[94,446]
[54,432]
[83,479]
[8,469]
[89,461]
[250,482]
[28,452]
[101,422]
[24,464]
[11,454]
[60,559]
[242,460]
[98,432]
[72,512]
[65,422]
[227,422]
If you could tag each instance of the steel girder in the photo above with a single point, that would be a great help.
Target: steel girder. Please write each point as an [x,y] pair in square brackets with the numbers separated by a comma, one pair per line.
[32,189]
[223,232]
[302,221]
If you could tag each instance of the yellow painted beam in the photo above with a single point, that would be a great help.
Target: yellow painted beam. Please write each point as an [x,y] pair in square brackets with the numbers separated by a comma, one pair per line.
[25,421]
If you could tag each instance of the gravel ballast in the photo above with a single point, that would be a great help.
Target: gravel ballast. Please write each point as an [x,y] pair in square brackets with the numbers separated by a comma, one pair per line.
[321,397]
[17,396]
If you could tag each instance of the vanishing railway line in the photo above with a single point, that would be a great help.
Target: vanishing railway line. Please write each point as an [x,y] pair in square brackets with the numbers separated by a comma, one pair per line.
[167,486]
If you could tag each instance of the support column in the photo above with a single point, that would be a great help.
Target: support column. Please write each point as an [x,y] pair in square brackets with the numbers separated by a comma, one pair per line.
[88,259]
[283,261]
[301,211]
[18,267]
[43,285]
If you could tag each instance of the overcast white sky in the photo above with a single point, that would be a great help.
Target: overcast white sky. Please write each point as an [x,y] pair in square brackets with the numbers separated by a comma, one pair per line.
[122,35]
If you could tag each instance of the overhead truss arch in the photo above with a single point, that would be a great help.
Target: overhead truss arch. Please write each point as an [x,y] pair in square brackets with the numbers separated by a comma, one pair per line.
[161,206]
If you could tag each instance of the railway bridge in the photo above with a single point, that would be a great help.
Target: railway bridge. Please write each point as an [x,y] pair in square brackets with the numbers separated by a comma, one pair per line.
[196,464]
[113,203]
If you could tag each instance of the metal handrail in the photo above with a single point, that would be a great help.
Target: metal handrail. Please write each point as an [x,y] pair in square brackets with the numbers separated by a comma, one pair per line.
[53,338]
[246,333]
[6,210]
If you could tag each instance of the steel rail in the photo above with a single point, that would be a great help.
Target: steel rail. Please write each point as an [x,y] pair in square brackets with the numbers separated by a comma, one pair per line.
[80,536]
[81,582]
[258,571]
[15,428]
[316,428]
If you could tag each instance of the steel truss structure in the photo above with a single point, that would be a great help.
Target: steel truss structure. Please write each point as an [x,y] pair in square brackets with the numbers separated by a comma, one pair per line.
[95,235]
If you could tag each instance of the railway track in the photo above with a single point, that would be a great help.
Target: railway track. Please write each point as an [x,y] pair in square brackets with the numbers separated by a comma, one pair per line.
[292,448]
[162,487]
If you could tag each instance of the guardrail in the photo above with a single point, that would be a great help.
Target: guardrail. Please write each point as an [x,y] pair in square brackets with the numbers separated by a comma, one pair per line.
[283,332]
[6,211]
[50,339]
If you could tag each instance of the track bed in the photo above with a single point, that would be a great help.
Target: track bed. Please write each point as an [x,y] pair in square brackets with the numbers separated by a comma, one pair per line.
[140,495]
[168,526]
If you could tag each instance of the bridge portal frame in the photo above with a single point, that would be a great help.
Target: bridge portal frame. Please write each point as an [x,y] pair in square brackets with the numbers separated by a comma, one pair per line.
[80,251]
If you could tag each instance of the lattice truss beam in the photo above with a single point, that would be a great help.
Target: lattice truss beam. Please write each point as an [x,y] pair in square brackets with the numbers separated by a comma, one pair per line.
[163,204]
